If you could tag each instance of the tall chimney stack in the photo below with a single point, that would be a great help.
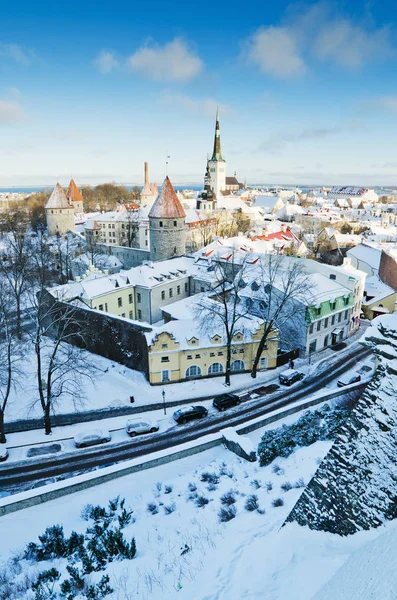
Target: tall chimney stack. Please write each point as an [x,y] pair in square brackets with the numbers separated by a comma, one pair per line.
[146,173]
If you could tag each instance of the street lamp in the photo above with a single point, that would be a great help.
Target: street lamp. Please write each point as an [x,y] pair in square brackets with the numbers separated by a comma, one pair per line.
[165,409]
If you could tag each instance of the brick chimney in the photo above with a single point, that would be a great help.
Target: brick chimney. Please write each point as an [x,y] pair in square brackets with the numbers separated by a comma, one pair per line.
[146,173]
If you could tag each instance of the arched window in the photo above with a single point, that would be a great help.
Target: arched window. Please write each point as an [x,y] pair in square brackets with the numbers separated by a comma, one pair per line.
[237,365]
[193,371]
[215,368]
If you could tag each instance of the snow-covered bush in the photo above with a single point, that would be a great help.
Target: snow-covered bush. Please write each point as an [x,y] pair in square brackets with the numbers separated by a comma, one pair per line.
[269,486]
[201,501]
[44,586]
[152,508]
[227,513]
[170,508]
[168,489]
[321,424]
[256,484]
[192,487]
[300,483]
[278,502]
[286,486]
[229,498]
[277,469]
[251,503]
[210,477]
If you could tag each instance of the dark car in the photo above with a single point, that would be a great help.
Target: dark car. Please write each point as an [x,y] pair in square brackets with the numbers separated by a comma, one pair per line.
[226,401]
[349,380]
[183,415]
[290,376]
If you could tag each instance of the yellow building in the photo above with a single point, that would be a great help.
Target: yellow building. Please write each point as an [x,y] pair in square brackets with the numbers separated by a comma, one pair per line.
[178,351]
[379,298]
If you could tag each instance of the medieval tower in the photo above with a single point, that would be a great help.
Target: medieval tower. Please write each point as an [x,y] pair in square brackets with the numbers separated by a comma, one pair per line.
[167,225]
[59,212]
[217,165]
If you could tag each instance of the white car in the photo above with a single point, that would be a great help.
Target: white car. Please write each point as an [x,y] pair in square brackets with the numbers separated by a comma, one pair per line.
[136,426]
[3,453]
[92,437]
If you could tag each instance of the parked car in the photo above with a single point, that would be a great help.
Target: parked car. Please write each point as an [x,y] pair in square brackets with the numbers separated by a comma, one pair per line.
[92,437]
[348,380]
[290,376]
[137,426]
[183,415]
[3,453]
[226,401]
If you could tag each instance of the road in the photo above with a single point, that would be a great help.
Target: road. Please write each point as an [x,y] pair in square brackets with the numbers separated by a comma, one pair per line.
[23,474]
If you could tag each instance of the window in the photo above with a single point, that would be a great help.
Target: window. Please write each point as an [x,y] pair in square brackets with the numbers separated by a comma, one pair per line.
[165,359]
[197,356]
[139,314]
[186,287]
[193,371]
[164,345]
[326,341]
[106,306]
[119,301]
[346,301]
[332,276]
[165,376]
[332,305]
[237,365]
[345,315]
[212,354]
[138,297]
[170,293]
[174,249]
[189,357]
[202,288]
[130,298]
[319,326]
[215,368]
[241,351]
[318,311]
[161,223]
[100,307]
[220,353]
[311,328]
[175,223]
[312,347]
[178,289]
[123,315]
[263,363]
[339,317]
[333,320]
[163,295]
[131,314]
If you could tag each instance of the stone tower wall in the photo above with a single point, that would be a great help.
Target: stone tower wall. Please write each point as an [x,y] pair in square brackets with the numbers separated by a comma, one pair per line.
[167,238]
[59,220]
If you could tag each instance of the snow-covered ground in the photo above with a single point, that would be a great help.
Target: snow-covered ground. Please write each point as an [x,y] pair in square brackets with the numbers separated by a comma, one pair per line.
[247,557]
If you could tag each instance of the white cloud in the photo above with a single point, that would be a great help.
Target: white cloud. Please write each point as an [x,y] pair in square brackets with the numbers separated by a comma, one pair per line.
[388,102]
[16,53]
[10,112]
[318,34]
[195,106]
[275,51]
[172,62]
[106,62]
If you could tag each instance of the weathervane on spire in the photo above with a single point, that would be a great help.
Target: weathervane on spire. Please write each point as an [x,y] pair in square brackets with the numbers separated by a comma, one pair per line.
[166,164]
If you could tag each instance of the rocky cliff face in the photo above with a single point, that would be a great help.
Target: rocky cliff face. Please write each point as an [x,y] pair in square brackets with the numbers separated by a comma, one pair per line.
[355,487]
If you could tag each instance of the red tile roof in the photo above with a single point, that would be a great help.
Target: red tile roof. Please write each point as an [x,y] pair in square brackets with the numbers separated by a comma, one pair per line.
[73,194]
[167,205]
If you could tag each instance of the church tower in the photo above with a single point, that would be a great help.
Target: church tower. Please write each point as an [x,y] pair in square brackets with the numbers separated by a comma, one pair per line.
[217,165]
[167,225]
[207,199]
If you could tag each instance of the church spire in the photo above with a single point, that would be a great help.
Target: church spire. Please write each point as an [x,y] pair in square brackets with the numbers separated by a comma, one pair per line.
[217,154]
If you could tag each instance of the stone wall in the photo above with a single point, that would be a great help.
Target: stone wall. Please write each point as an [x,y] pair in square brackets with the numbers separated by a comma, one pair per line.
[129,257]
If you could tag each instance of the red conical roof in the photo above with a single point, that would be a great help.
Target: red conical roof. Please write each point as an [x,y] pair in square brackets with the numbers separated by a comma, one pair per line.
[167,205]
[73,194]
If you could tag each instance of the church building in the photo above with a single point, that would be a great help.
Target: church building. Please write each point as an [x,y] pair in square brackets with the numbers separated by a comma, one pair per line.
[217,164]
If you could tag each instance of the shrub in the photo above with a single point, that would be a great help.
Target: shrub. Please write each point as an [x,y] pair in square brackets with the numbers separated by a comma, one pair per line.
[201,501]
[269,486]
[286,486]
[278,502]
[193,496]
[229,498]
[277,469]
[168,489]
[227,513]
[170,508]
[159,485]
[211,487]
[210,477]
[53,545]
[152,508]
[251,503]
[224,470]
[192,487]
[45,583]
[256,484]
[300,483]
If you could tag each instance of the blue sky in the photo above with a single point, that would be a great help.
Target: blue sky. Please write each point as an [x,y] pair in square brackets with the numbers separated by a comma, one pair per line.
[307,91]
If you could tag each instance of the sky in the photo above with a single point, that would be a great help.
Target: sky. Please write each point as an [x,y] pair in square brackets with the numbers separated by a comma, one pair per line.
[307,91]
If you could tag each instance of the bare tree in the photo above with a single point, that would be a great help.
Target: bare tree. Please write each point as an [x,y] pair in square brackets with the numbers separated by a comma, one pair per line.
[281,294]
[222,305]
[62,365]
[10,354]
[15,268]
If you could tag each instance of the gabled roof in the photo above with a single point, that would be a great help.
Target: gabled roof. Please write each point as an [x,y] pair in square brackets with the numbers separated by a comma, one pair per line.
[58,198]
[73,194]
[167,205]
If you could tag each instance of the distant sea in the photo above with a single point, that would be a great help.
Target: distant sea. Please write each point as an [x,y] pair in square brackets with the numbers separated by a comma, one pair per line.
[32,189]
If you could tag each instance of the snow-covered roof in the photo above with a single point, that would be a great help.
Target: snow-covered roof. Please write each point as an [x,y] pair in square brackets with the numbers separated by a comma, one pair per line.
[58,198]
[267,202]
[167,205]
[366,253]
[376,290]
[158,273]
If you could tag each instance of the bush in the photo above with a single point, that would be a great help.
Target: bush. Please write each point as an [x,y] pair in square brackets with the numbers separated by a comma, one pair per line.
[201,501]
[286,486]
[224,470]
[278,502]
[300,483]
[277,470]
[227,513]
[170,508]
[229,498]
[168,489]
[321,424]
[53,545]
[210,477]
[251,503]
[193,496]
[269,486]
[152,508]
[256,484]
[211,487]
[192,487]
[45,584]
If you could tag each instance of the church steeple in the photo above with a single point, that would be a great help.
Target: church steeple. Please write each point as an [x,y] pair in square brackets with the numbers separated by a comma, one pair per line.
[217,154]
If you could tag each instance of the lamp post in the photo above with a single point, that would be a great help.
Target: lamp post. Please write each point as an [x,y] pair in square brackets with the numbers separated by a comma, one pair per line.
[165,409]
